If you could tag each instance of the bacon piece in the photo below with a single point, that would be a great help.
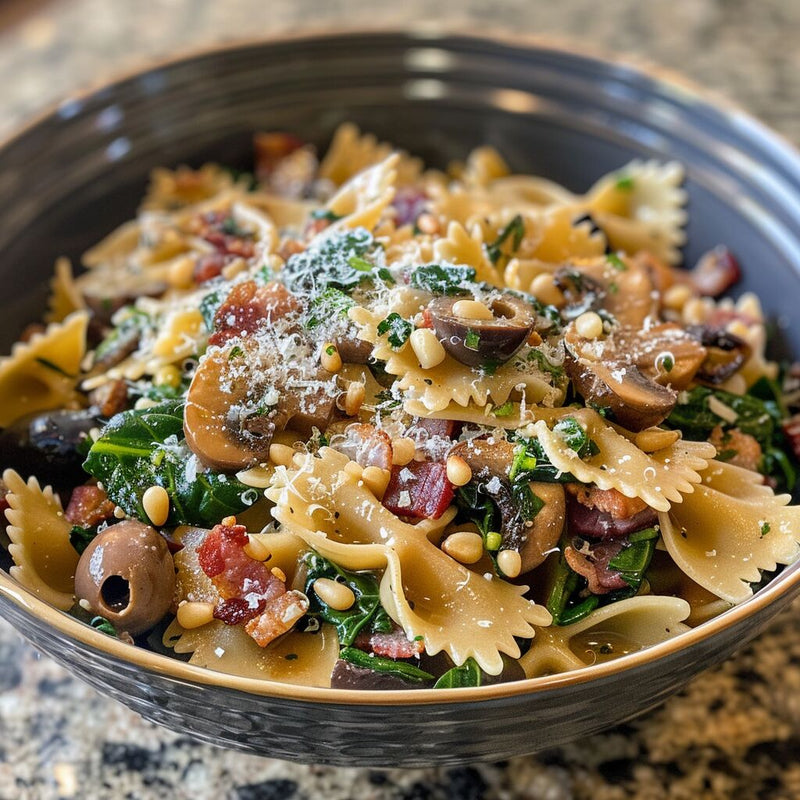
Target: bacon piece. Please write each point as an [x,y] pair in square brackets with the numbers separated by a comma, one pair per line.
[390,645]
[247,306]
[716,272]
[419,490]
[88,506]
[746,449]
[212,227]
[791,430]
[235,575]
[210,266]
[278,617]
[586,521]
[366,445]
[609,501]
[271,148]
[110,398]
[591,561]
[408,203]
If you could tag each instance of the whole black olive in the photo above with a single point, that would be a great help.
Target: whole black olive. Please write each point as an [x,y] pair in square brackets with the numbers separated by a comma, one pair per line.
[50,446]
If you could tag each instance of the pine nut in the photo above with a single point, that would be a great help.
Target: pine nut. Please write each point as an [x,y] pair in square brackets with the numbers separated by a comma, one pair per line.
[676,296]
[334,594]
[256,549]
[543,288]
[459,472]
[330,358]
[694,311]
[281,455]
[354,398]
[119,513]
[652,439]
[194,615]
[510,563]
[464,546]
[181,273]
[143,403]
[376,480]
[168,375]
[589,325]
[155,502]
[279,574]
[738,328]
[472,309]
[403,451]
[427,348]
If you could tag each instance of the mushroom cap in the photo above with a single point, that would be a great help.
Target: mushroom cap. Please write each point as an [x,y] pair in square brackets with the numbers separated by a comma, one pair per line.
[127,575]
[476,342]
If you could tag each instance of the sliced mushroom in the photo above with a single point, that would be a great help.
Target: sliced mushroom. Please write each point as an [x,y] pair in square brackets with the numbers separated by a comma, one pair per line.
[476,342]
[635,373]
[490,461]
[228,422]
[726,353]
[127,575]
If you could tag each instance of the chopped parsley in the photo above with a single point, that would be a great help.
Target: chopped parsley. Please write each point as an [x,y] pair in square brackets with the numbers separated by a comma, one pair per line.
[624,183]
[472,340]
[765,529]
[446,279]
[504,410]
[515,230]
[616,262]
[399,329]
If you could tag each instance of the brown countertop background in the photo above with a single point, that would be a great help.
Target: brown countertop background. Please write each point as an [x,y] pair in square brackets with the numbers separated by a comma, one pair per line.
[733,733]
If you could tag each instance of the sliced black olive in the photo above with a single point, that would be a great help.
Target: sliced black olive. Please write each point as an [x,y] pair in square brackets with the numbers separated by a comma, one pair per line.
[726,353]
[582,292]
[50,446]
[476,342]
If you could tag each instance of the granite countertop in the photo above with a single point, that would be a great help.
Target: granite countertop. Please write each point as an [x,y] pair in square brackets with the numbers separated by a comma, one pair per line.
[734,732]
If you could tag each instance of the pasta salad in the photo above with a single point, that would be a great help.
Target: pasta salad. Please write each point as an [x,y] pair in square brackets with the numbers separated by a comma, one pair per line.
[353,422]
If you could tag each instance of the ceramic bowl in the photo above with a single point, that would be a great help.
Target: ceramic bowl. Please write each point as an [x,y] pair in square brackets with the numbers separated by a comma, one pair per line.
[80,170]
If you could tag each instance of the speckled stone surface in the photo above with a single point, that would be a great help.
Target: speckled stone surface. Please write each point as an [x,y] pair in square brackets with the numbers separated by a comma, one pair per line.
[734,733]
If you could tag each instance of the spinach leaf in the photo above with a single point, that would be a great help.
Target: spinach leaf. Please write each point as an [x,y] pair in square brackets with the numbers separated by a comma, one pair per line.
[544,365]
[329,262]
[399,329]
[516,230]
[399,669]
[331,304]
[80,538]
[468,674]
[575,437]
[365,614]
[442,278]
[632,561]
[209,306]
[139,449]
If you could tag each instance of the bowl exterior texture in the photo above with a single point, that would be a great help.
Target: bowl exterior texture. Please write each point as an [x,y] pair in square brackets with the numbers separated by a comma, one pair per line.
[76,173]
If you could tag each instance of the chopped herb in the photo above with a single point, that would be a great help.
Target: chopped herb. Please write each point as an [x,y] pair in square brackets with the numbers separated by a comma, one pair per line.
[624,183]
[504,410]
[365,614]
[613,287]
[330,304]
[633,560]
[575,437]
[516,230]
[209,306]
[360,264]
[665,362]
[489,367]
[493,540]
[442,278]
[326,214]
[399,329]
[399,669]
[330,349]
[236,352]
[468,674]
[231,228]
[727,454]
[387,400]
[765,529]
[80,538]
[616,262]
[103,625]
[50,365]
[386,276]
[543,363]
[472,340]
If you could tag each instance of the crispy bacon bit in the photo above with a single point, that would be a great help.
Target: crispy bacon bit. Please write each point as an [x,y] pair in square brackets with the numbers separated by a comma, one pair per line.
[791,430]
[215,227]
[591,561]
[408,204]
[716,272]
[110,398]
[278,617]
[390,645]
[210,266]
[609,501]
[427,319]
[88,506]
[443,428]
[736,447]
[419,490]
[271,148]
[247,306]
[366,445]
[586,521]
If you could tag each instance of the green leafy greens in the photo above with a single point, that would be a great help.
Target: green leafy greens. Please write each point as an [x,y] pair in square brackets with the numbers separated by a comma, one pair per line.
[139,449]
[468,674]
[446,279]
[515,230]
[399,669]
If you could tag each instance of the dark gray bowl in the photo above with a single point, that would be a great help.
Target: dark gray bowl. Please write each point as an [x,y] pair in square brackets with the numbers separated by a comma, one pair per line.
[80,170]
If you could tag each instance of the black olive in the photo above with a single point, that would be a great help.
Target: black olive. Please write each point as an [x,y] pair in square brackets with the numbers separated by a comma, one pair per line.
[51,446]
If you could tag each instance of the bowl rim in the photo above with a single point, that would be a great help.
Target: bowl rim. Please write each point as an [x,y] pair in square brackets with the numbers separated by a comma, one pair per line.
[786,583]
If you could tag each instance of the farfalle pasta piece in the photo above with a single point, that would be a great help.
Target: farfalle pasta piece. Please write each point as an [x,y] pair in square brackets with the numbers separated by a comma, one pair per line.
[450,381]
[460,247]
[562,233]
[172,189]
[725,533]
[454,609]
[641,207]
[65,296]
[42,373]
[44,559]
[625,626]
[362,200]
[659,478]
